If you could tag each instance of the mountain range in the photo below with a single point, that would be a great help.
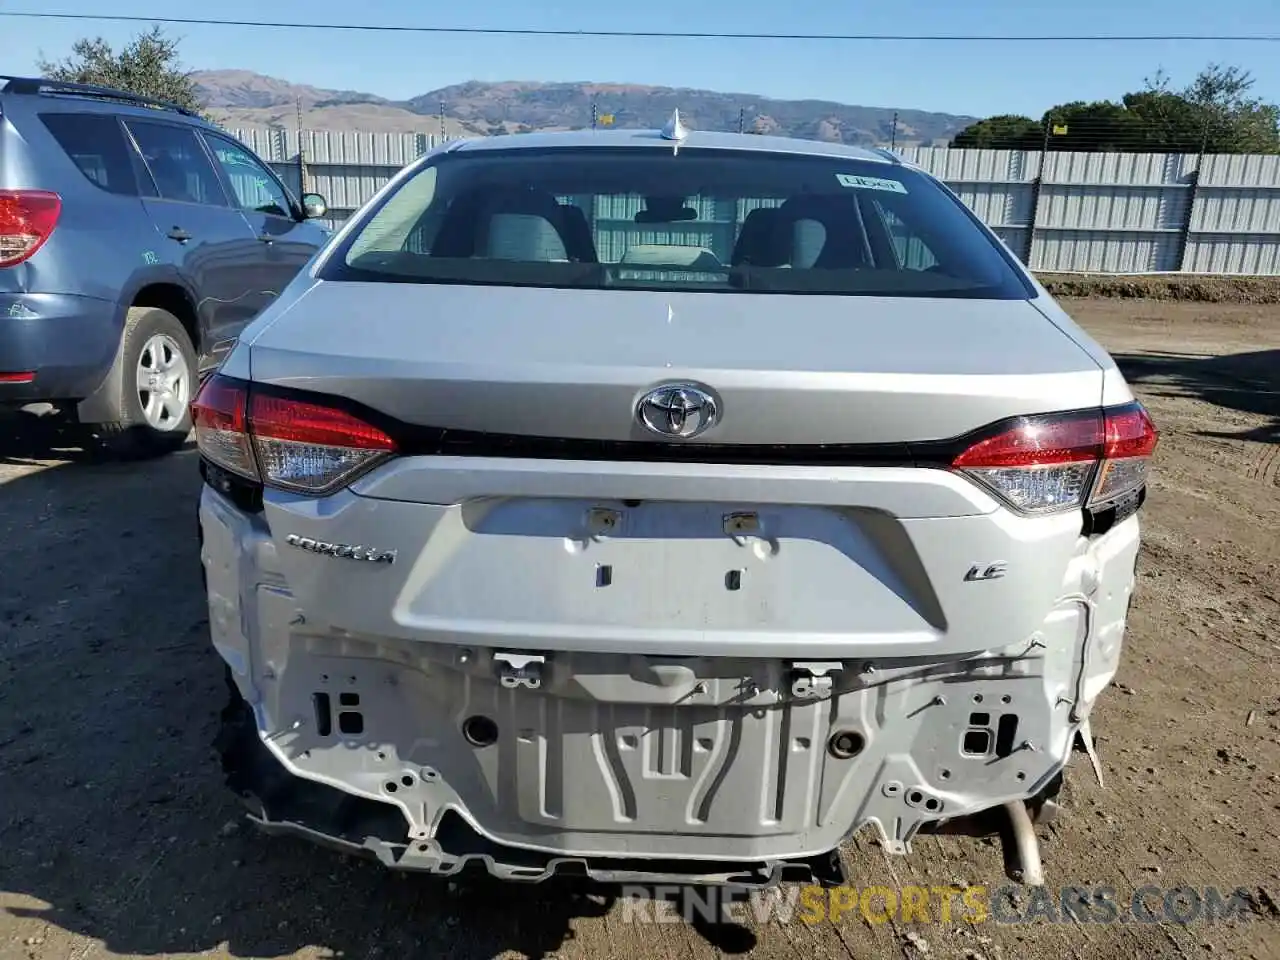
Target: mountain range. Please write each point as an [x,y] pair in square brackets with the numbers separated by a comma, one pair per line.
[241,98]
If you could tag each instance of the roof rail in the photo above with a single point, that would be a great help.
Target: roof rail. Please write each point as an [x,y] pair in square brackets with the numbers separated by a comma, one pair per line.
[888,155]
[36,85]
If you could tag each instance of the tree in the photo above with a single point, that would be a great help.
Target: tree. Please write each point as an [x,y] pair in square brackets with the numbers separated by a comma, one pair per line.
[148,66]
[1005,132]
[1214,113]
[1101,126]
[1234,122]
[1166,120]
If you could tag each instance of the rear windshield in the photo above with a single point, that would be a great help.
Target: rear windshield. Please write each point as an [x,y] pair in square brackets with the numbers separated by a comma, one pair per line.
[694,220]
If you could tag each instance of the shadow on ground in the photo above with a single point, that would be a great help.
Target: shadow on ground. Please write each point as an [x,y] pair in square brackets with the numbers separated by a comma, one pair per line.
[27,440]
[115,821]
[1247,382]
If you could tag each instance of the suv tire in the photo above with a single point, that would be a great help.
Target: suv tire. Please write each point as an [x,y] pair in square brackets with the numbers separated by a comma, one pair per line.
[157,381]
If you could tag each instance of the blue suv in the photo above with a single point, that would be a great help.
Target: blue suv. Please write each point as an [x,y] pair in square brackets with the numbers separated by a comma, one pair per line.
[136,241]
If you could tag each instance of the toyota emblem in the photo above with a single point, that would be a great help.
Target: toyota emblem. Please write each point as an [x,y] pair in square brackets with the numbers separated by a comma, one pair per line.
[678,410]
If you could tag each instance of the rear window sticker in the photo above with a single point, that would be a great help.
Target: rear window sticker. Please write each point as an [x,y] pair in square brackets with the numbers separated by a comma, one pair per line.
[870,183]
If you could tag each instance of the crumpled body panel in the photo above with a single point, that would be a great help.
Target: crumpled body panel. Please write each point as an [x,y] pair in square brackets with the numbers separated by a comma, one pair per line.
[546,757]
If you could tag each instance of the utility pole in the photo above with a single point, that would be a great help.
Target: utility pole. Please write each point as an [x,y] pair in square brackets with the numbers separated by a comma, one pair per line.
[893,135]
[594,114]
[302,160]
[742,118]
[442,135]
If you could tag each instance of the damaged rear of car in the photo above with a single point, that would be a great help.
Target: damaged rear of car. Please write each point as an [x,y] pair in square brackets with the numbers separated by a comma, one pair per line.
[661,506]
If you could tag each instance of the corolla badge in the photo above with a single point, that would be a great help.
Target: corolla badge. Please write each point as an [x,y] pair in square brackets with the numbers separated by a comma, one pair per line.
[343,550]
[678,410]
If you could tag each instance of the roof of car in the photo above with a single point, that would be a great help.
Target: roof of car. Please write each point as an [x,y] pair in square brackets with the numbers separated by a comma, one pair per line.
[91,98]
[695,140]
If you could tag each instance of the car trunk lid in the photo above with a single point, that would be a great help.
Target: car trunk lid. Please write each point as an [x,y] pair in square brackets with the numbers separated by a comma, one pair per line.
[572,364]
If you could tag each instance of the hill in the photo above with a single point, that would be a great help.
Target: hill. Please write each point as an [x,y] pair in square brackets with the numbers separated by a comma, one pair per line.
[244,98]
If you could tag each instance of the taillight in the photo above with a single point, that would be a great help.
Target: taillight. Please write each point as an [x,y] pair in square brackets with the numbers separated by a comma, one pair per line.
[283,442]
[1047,464]
[1131,439]
[311,448]
[27,217]
[220,416]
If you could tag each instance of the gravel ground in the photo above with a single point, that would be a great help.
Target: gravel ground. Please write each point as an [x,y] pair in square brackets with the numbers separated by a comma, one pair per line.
[117,837]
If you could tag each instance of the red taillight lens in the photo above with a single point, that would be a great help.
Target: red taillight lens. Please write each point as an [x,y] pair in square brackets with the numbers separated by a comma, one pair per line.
[219,414]
[311,448]
[27,218]
[1039,442]
[1130,433]
[1046,464]
[24,376]
[276,418]
[286,443]
[1131,440]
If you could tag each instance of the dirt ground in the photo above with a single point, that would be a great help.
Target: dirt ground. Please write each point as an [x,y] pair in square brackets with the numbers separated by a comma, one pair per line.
[117,838]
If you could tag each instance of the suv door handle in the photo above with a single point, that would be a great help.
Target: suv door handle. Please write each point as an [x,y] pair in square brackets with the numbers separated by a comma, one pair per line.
[177,233]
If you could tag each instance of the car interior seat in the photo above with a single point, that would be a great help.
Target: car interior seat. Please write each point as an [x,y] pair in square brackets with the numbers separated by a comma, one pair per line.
[515,224]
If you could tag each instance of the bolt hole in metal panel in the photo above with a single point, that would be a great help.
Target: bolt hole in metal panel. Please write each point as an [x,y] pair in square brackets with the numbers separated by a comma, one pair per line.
[977,743]
[324,715]
[1006,732]
[480,731]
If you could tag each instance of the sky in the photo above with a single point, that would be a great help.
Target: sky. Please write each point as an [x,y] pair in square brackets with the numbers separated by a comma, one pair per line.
[971,78]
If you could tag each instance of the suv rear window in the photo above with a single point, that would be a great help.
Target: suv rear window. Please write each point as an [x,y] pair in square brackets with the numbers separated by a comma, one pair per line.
[698,220]
[96,145]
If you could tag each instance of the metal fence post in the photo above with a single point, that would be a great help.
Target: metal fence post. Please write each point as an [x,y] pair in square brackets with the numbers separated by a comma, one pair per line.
[1184,234]
[1036,184]
[1193,189]
[279,144]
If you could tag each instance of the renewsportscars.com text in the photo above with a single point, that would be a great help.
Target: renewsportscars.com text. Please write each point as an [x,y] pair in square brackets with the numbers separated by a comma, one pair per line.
[1009,904]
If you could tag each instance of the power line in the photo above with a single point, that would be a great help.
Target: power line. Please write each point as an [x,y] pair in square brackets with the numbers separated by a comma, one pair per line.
[659,34]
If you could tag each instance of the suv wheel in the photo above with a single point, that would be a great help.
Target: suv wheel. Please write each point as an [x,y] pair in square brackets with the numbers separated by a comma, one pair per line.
[158,380]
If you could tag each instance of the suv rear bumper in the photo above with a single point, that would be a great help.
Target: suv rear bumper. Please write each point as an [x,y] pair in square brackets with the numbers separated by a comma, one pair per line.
[608,757]
[69,342]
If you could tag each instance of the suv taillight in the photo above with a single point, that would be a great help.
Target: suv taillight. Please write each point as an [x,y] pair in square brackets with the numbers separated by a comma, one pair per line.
[283,442]
[27,217]
[1047,464]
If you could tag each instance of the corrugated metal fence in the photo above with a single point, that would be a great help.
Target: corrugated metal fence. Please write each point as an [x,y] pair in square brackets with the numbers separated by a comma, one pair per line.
[1070,212]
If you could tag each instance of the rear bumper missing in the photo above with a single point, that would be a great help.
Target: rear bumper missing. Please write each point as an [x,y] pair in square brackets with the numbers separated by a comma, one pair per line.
[282,804]
[635,768]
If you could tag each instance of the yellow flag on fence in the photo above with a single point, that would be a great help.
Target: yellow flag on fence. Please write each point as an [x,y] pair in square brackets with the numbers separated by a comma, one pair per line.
[1059,129]
[606,119]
